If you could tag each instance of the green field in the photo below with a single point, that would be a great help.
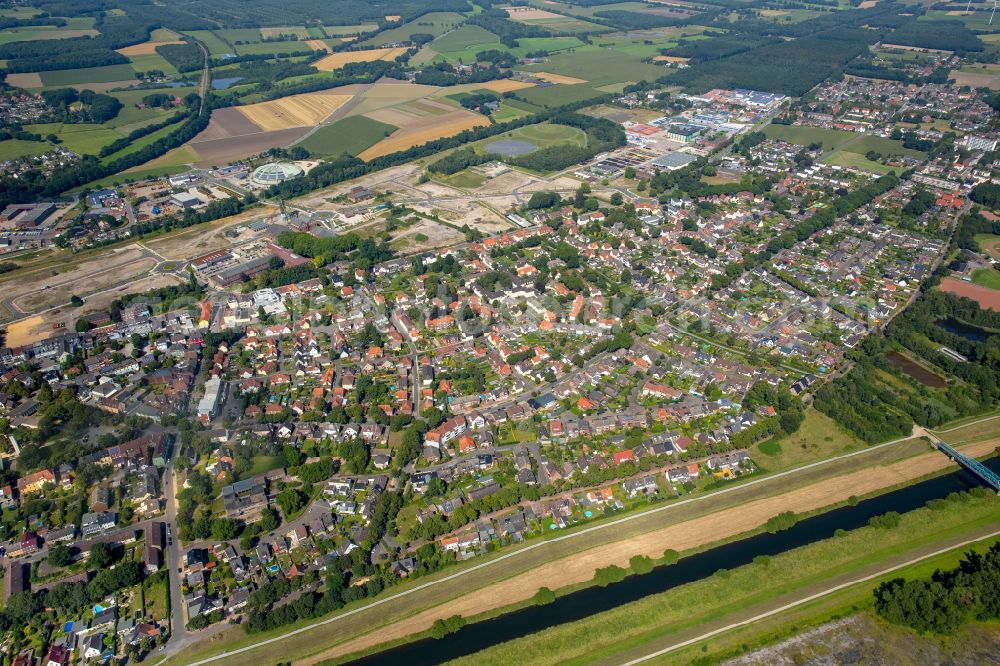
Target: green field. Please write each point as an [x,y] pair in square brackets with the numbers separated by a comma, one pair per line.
[215,46]
[550,44]
[465,180]
[84,139]
[567,24]
[350,135]
[130,118]
[818,437]
[846,158]
[11,149]
[463,44]
[151,61]
[76,77]
[233,35]
[334,30]
[273,48]
[508,111]
[558,95]
[598,66]
[141,143]
[434,23]
[804,136]
[989,243]
[987,277]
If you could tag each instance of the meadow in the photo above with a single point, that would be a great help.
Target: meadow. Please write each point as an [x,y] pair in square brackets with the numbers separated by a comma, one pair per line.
[80,77]
[598,66]
[434,24]
[557,95]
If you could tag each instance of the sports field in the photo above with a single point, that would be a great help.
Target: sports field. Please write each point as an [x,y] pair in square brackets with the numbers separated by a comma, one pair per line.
[350,135]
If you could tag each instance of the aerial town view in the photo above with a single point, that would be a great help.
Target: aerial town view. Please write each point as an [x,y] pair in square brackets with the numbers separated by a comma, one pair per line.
[499,333]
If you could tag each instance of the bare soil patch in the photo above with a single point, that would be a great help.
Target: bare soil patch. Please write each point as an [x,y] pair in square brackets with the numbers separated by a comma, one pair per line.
[221,151]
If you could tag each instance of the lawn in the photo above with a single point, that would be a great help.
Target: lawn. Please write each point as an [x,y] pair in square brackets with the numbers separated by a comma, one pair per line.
[155,592]
[351,135]
[12,149]
[130,115]
[987,277]
[85,139]
[818,437]
[972,432]
[70,77]
[263,464]
[558,95]
[604,636]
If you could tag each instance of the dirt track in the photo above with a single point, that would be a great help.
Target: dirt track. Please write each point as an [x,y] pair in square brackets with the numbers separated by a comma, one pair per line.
[683,536]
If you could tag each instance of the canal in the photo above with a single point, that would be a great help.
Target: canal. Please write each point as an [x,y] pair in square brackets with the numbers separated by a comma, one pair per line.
[592,600]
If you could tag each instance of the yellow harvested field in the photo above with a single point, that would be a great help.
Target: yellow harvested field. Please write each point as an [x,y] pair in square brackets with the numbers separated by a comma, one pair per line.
[338,60]
[25,80]
[319,45]
[295,111]
[687,535]
[558,78]
[663,58]
[146,48]
[530,14]
[903,47]
[393,17]
[445,125]
[272,33]
[504,85]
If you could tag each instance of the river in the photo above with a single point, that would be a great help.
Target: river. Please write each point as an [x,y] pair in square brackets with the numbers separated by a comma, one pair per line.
[587,602]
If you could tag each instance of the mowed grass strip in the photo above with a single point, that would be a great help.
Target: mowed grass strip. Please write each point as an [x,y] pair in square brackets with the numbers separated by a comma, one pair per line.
[350,135]
[337,60]
[630,626]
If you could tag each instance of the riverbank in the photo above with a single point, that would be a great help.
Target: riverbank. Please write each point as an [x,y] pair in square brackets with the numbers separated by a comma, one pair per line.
[684,536]
[416,604]
[728,596]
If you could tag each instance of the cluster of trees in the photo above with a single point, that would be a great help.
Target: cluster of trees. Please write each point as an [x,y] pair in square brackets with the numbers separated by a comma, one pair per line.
[987,194]
[948,599]
[265,72]
[186,57]
[444,74]
[327,250]
[497,22]
[475,101]
[95,107]
[945,35]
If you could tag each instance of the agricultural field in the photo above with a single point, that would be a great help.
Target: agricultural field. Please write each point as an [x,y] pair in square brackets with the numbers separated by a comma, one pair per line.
[351,135]
[416,130]
[12,149]
[341,30]
[337,60]
[84,139]
[558,95]
[215,45]
[75,27]
[597,66]
[158,37]
[434,24]
[84,78]
[459,45]
[552,21]
[980,75]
